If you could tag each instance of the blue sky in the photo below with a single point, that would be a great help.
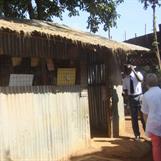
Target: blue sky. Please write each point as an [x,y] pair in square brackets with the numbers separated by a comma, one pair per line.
[132,21]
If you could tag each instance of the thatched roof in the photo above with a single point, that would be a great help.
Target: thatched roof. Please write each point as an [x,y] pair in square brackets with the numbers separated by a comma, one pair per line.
[54,29]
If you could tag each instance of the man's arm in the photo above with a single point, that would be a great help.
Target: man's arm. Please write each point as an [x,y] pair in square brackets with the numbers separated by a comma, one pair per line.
[125,90]
[138,75]
[144,108]
[145,116]
[125,93]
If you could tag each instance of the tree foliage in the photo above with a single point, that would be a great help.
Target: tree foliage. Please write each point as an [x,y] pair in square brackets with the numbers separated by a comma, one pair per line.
[147,3]
[101,12]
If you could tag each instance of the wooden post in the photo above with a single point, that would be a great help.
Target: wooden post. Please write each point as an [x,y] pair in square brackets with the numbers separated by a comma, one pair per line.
[117,126]
[108,100]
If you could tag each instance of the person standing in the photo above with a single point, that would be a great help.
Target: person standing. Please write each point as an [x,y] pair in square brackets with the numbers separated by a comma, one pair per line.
[151,108]
[132,90]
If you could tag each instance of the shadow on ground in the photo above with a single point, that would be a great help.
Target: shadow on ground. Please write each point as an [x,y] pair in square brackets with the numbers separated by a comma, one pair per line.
[115,149]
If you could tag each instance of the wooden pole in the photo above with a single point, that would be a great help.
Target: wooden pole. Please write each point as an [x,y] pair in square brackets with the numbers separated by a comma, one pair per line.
[155,42]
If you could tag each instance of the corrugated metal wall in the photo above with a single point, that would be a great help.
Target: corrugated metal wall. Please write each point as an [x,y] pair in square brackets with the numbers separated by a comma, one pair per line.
[98,96]
[98,107]
[42,123]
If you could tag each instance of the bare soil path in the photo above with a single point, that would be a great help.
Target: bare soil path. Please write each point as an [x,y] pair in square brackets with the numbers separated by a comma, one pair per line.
[124,148]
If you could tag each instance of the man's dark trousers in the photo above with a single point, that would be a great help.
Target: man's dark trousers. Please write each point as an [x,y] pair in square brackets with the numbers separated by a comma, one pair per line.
[134,102]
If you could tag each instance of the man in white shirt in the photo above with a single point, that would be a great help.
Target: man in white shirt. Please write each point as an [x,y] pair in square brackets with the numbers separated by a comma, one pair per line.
[132,89]
[151,107]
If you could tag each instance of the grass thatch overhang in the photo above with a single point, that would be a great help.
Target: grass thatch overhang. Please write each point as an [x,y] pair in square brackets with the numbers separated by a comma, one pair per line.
[63,33]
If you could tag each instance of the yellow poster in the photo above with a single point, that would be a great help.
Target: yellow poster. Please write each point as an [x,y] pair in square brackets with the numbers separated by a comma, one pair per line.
[66,76]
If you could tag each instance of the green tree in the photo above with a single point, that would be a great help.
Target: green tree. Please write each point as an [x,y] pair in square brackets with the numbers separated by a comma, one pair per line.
[101,12]
[153,4]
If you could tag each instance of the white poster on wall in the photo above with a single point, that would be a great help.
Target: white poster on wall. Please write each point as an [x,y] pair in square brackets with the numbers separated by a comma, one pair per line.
[21,79]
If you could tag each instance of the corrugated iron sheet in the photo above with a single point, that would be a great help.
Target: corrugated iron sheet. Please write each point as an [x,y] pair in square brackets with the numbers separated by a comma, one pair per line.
[42,123]
[98,108]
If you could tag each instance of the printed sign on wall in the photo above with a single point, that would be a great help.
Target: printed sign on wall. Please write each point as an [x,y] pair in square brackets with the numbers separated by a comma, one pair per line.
[66,76]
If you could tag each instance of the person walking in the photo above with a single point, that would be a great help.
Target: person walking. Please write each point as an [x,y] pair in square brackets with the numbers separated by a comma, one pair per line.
[151,108]
[132,90]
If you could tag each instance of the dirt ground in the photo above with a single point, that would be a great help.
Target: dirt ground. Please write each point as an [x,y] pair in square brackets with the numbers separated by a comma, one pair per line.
[124,148]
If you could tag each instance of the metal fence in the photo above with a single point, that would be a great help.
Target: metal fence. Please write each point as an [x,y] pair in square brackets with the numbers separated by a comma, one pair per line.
[42,123]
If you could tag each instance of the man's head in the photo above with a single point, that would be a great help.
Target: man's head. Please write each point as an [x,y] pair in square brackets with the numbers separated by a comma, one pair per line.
[151,80]
[127,69]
